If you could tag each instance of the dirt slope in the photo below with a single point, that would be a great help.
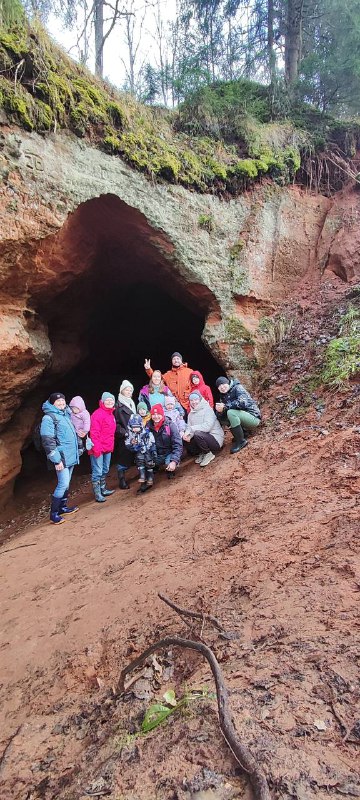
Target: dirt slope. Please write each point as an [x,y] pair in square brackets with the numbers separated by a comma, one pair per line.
[268,542]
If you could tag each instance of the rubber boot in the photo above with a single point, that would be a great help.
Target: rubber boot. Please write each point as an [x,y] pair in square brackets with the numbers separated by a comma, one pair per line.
[97,492]
[142,474]
[64,508]
[239,439]
[149,478]
[55,509]
[122,480]
[104,490]
[142,488]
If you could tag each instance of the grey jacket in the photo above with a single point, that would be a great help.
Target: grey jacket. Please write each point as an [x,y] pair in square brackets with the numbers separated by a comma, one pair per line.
[203,419]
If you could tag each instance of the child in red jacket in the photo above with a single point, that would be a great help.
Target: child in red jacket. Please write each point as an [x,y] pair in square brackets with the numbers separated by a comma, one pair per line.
[102,435]
[197,382]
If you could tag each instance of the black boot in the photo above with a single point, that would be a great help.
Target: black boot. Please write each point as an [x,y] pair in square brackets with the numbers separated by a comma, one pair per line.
[55,510]
[122,480]
[64,508]
[104,490]
[142,473]
[239,439]
[97,492]
[149,477]
[142,488]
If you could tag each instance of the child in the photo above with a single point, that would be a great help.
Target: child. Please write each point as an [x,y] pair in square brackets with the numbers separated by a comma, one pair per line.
[144,413]
[197,382]
[172,412]
[141,442]
[80,416]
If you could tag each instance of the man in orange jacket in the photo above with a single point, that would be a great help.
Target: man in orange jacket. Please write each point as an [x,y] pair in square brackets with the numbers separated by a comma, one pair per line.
[177,378]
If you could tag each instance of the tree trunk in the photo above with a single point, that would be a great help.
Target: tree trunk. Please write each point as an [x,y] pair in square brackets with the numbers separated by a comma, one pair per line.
[270,41]
[99,37]
[293,39]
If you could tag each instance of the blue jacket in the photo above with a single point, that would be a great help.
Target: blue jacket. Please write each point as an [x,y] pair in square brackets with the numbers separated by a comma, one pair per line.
[60,440]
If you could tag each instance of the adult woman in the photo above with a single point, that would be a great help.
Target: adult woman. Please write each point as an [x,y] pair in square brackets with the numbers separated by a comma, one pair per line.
[155,391]
[102,435]
[238,408]
[125,406]
[60,442]
[167,440]
[204,435]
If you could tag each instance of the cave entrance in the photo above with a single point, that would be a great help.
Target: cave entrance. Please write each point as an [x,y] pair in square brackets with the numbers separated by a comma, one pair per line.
[118,298]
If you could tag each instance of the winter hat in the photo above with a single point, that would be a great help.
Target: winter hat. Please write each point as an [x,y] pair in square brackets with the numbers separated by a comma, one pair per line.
[195,394]
[124,385]
[135,421]
[56,396]
[169,398]
[222,380]
[176,354]
[107,396]
[142,406]
[158,409]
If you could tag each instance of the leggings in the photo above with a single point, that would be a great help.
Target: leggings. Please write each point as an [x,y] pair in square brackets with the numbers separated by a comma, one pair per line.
[202,442]
[237,417]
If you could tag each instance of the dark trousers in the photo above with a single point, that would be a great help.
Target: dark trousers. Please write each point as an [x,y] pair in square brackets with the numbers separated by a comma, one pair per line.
[202,443]
[145,464]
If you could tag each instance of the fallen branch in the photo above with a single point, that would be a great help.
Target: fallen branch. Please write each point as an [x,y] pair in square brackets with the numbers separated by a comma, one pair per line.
[242,754]
[183,612]
[10,550]
[8,745]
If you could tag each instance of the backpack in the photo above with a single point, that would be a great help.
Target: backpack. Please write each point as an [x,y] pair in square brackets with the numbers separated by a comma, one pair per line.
[36,436]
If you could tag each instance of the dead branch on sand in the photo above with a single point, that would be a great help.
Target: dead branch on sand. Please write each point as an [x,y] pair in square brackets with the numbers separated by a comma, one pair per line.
[242,754]
[183,612]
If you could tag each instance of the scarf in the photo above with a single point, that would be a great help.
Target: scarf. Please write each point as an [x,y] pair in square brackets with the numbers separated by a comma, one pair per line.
[158,409]
[126,401]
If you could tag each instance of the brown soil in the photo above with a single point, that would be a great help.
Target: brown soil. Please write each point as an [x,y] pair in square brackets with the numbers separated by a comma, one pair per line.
[267,541]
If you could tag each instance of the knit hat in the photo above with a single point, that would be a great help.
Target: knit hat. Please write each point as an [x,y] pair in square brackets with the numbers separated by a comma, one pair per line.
[176,354]
[222,380]
[107,396]
[135,421]
[158,409]
[142,406]
[194,395]
[169,398]
[56,396]
[124,385]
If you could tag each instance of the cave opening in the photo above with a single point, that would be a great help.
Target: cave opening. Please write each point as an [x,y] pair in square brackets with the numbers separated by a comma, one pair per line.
[118,299]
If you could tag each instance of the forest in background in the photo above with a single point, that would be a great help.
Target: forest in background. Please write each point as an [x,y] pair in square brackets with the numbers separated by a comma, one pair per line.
[303,50]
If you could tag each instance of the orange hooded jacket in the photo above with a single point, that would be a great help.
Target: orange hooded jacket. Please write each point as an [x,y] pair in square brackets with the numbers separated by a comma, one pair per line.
[177,380]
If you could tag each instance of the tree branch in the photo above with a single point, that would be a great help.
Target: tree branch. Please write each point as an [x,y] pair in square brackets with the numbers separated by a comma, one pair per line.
[243,756]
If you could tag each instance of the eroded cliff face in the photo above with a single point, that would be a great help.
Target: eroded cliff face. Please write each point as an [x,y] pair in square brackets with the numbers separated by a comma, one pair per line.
[73,218]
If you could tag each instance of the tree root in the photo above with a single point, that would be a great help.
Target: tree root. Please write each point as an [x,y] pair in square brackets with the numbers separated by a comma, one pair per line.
[242,754]
[183,612]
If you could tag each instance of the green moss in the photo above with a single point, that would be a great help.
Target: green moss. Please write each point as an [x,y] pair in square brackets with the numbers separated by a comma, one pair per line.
[236,250]
[44,116]
[236,333]
[17,103]
[112,143]
[115,113]
[206,222]
[245,168]
[342,357]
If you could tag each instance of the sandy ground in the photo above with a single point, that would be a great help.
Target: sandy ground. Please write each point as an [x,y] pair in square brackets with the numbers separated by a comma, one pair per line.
[268,542]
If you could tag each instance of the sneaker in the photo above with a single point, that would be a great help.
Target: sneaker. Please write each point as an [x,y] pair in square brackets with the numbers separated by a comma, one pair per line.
[208,457]
[199,459]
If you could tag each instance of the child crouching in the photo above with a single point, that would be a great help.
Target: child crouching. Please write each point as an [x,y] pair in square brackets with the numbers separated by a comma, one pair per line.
[141,442]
